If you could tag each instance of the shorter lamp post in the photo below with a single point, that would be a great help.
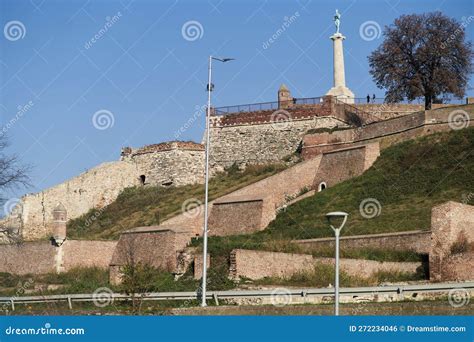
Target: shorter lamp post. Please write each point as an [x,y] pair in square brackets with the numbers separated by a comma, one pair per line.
[331,217]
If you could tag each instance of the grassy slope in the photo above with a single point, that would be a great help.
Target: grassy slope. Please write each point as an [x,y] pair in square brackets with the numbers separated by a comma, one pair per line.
[145,206]
[408,180]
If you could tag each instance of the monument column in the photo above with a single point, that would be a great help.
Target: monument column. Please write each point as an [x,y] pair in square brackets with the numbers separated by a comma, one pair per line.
[339,74]
[339,89]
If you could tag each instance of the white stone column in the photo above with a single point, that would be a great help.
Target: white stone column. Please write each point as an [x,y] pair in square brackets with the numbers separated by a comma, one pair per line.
[339,88]
[339,74]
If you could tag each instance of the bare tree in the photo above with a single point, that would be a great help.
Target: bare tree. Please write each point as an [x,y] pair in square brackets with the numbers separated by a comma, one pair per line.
[423,55]
[13,174]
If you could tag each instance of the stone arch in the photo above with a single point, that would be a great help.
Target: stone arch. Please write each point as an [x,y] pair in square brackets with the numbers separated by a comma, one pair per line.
[322,186]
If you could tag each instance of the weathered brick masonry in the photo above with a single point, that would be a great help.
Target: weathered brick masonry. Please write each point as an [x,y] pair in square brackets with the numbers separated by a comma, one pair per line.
[155,246]
[38,257]
[415,241]
[261,264]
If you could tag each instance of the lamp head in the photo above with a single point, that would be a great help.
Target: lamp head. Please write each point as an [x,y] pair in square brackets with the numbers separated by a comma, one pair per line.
[223,60]
[337,216]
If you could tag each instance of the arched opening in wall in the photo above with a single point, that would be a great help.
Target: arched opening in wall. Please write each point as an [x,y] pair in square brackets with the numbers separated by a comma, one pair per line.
[322,186]
[142,179]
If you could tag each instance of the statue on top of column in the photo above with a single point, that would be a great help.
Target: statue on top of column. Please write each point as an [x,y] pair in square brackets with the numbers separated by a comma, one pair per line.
[337,20]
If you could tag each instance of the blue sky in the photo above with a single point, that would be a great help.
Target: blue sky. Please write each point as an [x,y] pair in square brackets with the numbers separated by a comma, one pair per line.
[149,77]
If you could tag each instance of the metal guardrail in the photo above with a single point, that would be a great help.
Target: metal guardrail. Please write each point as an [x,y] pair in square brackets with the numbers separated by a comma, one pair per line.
[253,107]
[305,292]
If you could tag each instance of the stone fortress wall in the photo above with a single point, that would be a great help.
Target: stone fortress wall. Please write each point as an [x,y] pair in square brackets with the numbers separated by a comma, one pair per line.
[95,188]
[166,164]
[173,163]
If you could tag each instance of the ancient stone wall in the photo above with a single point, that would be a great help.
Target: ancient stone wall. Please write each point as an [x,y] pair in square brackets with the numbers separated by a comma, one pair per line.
[39,257]
[236,216]
[261,142]
[416,241]
[168,164]
[30,257]
[154,246]
[339,165]
[452,226]
[94,188]
[260,264]
[84,253]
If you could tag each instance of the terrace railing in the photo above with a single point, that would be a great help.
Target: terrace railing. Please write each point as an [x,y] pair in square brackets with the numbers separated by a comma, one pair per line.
[253,107]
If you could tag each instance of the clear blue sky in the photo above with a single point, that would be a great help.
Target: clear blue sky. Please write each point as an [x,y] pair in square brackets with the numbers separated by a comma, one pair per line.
[144,72]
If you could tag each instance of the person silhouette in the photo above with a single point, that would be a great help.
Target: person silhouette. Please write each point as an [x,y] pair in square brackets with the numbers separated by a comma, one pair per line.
[373,98]
[368,98]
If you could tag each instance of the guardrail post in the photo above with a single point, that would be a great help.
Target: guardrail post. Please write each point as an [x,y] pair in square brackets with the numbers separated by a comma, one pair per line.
[13,304]
[69,302]
[216,299]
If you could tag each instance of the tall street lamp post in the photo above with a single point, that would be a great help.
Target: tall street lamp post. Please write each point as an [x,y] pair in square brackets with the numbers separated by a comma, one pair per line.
[337,215]
[206,196]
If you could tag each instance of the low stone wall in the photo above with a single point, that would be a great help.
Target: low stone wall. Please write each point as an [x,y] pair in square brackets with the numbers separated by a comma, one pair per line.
[39,257]
[28,258]
[261,264]
[457,267]
[86,253]
[416,241]
[452,225]
[155,246]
